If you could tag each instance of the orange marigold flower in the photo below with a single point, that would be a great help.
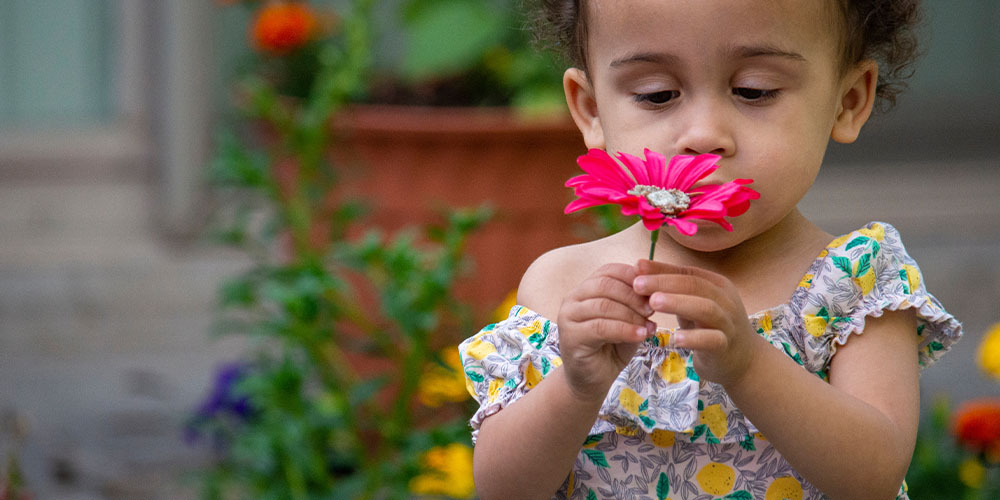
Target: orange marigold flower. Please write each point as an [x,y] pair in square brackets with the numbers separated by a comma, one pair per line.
[281,27]
[977,426]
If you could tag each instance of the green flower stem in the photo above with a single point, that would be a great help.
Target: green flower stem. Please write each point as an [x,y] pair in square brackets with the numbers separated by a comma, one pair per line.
[653,236]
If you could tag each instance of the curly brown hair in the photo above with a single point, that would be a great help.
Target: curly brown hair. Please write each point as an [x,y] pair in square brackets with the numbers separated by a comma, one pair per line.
[883,30]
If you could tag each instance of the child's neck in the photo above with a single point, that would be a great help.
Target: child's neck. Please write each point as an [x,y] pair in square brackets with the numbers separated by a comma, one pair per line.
[766,267]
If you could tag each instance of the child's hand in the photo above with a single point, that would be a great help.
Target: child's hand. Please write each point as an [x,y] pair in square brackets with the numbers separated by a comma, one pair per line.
[710,312]
[601,323]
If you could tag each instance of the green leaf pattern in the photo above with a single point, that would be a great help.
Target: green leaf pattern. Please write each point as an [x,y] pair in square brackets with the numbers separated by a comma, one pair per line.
[639,462]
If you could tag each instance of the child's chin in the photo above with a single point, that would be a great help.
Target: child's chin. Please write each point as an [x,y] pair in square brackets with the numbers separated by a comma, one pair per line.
[710,237]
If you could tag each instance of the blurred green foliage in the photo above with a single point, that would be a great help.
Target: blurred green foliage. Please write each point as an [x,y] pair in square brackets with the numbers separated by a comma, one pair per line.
[340,319]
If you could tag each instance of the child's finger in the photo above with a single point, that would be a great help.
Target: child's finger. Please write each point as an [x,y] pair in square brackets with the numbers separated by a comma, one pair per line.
[699,339]
[645,266]
[616,285]
[680,284]
[699,310]
[608,308]
[606,331]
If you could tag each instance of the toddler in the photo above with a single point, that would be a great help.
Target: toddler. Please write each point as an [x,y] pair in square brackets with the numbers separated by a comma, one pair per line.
[621,377]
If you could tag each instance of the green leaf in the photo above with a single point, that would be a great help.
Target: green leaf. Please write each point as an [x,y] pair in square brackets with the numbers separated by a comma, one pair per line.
[546,366]
[936,346]
[875,248]
[864,264]
[644,406]
[592,439]
[856,242]
[748,443]
[710,438]
[691,374]
[739,495]
[591,495]
[475,377]
[596,457]
[449,36]
[662,486]
[648,421]
[844,264]
[698,431]
[701,405]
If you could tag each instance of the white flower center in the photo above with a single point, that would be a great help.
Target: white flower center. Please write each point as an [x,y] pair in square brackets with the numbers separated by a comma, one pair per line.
[669,201]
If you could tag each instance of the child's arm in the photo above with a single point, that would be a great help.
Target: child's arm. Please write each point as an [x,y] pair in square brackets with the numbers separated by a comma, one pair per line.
[527,449]
[852,437]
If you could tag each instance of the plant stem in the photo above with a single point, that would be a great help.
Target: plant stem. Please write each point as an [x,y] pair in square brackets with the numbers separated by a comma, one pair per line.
[653,236]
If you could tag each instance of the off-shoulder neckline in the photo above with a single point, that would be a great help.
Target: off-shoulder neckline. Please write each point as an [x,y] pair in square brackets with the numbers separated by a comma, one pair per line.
[799,291]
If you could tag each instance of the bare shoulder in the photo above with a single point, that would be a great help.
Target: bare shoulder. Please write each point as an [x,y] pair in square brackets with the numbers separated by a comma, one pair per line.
[554,274]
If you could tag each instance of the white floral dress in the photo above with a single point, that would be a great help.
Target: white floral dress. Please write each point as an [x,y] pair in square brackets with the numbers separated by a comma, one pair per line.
[663,433]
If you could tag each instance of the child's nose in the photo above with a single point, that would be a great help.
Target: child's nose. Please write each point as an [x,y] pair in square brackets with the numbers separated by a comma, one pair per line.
[706,130]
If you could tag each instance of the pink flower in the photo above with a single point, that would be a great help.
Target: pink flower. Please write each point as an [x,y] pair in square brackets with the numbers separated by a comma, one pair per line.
[658,192]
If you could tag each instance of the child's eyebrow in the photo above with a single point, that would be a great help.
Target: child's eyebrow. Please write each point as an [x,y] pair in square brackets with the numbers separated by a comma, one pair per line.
[737,52]
[645,57]
[749,51]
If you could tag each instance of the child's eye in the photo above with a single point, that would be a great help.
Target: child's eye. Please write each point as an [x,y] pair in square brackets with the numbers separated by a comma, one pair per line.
[756,95]
[661,97]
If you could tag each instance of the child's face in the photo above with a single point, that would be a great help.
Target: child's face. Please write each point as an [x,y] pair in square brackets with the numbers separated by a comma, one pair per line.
[755,81]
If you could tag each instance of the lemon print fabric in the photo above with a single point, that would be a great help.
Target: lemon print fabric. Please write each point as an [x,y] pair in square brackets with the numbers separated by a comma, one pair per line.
[784,488]
[662,432]
[673,369]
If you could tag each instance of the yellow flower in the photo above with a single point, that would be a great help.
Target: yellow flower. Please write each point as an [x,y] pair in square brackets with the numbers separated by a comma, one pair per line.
[972,473]
[447,471]
[443,384]
[501,312]
[988,356]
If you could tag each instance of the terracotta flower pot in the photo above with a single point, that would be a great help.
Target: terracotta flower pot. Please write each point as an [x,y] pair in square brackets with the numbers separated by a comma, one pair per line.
[417,161]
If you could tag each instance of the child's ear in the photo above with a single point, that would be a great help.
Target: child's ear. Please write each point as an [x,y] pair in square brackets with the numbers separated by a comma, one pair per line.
[583,107]
[857,98]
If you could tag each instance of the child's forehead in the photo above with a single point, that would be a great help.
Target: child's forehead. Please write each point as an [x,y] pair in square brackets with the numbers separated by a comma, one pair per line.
[612,23]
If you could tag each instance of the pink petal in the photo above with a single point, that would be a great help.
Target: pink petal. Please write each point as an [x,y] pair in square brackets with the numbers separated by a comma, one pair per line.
[603,168]
[690,170]
[653,223]
[636,167]
[656,168]
[683,226]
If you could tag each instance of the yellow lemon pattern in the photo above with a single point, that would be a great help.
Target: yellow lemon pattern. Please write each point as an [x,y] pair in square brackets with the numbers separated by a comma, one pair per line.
[673,369]
[630,400]
[784,488]
[662,438]
[716,478]
[710,447]
[713,417]
[478,349]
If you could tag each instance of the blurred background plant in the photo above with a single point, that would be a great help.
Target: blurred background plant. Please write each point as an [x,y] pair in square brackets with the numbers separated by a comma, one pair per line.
[957,455]
[350,386]
[453,53]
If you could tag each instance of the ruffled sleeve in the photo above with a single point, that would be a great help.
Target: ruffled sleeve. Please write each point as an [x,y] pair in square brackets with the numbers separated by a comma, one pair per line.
[861,275]
[507,359]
